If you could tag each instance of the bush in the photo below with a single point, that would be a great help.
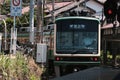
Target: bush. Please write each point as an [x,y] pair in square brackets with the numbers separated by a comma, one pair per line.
[18,67]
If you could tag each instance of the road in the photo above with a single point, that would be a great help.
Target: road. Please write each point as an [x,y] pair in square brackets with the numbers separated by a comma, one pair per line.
[96,73]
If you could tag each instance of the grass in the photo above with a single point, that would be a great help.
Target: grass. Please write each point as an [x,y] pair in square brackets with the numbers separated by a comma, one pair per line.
[18,67]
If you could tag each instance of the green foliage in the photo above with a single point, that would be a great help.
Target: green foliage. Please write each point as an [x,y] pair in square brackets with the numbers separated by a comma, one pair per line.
[9,24]
[33,77]
[16,68]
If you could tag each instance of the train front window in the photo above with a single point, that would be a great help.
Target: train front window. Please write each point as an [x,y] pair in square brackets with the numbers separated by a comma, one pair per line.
[76,37]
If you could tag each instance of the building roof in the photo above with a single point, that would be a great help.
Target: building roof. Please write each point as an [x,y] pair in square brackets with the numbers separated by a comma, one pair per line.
[48,7]
[64,4]
[97,7]
[26,9]
[66,8]
[102,1]
[2,1]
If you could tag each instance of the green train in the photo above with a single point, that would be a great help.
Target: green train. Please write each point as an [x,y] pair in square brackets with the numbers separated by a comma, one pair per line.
[76,44]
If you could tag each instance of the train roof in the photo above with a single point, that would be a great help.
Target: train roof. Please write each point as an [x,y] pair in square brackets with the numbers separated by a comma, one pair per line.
[78,17]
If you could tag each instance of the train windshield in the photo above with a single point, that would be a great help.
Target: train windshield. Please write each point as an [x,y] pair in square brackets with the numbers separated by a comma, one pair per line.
[77,36]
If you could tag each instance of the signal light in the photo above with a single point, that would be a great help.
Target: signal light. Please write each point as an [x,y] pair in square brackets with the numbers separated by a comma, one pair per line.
[110,9]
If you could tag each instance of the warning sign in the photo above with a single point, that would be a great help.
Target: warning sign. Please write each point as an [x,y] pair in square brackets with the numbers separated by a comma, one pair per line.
[16,8]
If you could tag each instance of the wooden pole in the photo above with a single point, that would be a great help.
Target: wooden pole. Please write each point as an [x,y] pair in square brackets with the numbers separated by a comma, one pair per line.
[39,22]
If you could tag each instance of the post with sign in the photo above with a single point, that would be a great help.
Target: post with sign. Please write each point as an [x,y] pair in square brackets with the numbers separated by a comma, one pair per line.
[16,9]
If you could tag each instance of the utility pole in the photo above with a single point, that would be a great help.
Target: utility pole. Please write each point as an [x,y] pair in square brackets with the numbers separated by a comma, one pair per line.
[31,37]
[39,14]
[53,21]
[53,17]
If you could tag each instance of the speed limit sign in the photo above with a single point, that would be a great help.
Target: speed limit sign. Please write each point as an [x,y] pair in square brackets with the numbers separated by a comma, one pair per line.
[16,8]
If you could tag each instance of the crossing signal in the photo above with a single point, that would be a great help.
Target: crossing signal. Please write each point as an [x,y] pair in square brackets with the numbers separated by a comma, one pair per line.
[110,9]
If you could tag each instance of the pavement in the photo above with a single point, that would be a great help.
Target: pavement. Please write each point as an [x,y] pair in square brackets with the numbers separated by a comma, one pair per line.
[95,73]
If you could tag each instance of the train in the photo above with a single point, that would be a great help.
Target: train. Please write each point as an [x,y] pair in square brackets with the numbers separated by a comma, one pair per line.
[76,44]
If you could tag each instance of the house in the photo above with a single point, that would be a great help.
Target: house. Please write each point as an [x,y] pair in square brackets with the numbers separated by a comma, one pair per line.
[95,7]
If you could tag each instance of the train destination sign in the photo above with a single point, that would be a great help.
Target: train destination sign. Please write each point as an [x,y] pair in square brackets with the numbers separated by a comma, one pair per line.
[77,26]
